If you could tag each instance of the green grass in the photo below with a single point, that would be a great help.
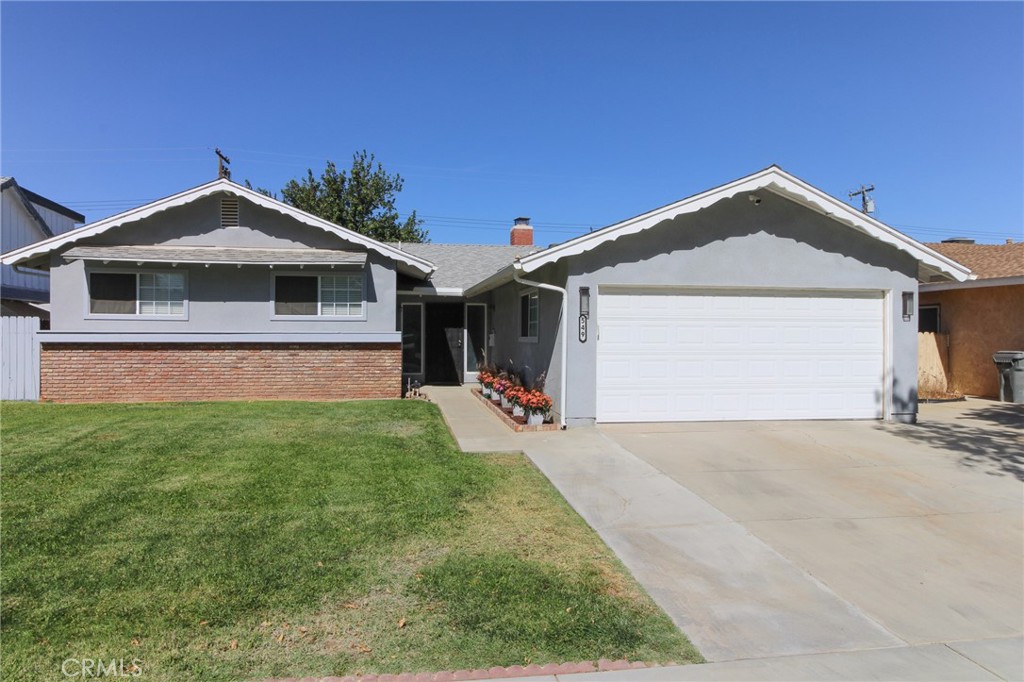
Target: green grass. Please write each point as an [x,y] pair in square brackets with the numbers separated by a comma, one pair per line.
[235,540]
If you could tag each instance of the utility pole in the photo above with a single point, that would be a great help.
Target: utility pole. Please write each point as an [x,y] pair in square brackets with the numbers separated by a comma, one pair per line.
[222,165]
[867,204]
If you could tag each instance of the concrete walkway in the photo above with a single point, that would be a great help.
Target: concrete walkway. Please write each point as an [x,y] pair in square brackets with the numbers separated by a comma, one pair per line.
[748,608]
[474,426]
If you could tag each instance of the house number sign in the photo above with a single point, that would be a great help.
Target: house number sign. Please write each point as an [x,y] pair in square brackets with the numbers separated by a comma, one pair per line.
[583,328]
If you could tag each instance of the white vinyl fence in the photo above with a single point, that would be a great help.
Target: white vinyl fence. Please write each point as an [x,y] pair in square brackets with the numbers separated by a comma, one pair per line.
[19,358]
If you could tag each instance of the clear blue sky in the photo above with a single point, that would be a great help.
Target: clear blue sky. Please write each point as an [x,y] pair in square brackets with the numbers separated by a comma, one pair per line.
[574,114]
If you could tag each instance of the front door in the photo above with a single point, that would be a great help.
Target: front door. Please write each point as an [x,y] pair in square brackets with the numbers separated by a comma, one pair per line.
[444,332]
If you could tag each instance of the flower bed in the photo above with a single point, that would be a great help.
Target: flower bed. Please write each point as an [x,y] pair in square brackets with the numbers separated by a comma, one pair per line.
[514,423]
[523,408]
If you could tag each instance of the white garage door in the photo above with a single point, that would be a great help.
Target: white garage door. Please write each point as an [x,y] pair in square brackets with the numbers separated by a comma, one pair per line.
[670,355]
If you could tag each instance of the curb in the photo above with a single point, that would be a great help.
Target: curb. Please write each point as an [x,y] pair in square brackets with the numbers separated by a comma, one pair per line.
[495,673]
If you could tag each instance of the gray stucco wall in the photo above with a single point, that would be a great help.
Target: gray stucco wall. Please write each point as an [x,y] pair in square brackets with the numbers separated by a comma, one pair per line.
[221,298]
[777,244]
[529,358]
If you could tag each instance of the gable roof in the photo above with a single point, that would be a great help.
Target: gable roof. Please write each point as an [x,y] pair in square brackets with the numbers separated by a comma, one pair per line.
[987,261]
[409,264]
[9,183]
[773,179]
[459,266]
[40,200]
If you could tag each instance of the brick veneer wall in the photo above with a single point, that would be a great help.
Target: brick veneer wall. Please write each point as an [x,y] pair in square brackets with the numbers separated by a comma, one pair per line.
[137,372]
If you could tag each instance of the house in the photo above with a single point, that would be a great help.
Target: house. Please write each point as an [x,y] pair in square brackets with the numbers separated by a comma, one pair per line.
[963,324]
[27,217]
[763,298]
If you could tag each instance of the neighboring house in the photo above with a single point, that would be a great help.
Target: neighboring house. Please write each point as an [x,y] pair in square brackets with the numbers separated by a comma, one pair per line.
[764,298]
[26,217]
[964,323]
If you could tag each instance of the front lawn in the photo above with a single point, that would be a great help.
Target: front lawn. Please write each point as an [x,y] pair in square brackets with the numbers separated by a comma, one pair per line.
[233,540]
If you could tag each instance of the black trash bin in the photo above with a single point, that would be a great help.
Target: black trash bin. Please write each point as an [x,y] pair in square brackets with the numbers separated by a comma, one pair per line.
[1010,365]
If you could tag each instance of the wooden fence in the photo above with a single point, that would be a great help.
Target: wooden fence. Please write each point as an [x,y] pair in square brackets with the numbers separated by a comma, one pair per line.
[19,358]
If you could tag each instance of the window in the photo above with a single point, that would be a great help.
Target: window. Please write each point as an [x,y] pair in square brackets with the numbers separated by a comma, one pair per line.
[928,318]
[529,313]
[159,294]
[319,295]
[412,338]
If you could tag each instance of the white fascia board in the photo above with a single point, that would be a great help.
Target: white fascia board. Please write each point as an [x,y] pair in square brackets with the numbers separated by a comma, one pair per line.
[427,291]
[419,265]
[972,284]
[219,337]
[773,179]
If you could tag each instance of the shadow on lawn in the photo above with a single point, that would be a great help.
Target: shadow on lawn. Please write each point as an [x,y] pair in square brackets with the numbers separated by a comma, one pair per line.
[989,438]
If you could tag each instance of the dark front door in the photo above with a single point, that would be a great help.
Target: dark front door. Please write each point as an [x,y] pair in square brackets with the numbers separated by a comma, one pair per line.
[444,343]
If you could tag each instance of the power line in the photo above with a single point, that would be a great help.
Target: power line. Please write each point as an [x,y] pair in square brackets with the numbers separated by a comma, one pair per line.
[107,149]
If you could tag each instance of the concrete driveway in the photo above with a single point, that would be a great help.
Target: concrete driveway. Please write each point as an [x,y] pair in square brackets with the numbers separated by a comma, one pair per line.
[813,550]
[918,527]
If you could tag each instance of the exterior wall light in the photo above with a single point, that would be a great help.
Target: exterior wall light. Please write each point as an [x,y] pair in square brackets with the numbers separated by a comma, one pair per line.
[908,305]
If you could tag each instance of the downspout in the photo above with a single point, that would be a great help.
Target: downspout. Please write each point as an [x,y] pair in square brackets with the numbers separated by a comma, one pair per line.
[516,269]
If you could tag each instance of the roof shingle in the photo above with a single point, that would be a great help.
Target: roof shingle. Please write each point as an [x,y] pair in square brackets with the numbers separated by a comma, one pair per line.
[215,254]
[987,261]
[460,266]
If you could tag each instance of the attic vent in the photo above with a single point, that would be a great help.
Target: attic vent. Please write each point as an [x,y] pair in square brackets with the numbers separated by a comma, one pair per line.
[229,212]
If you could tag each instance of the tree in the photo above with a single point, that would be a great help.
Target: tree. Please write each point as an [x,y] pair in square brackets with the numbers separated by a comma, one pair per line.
[363,199]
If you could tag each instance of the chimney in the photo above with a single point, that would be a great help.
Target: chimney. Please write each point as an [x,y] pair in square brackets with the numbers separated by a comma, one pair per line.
[522,233]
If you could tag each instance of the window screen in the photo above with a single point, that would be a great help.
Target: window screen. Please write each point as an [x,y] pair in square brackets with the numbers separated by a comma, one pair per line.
[295,295]
[112,293]
[412,339]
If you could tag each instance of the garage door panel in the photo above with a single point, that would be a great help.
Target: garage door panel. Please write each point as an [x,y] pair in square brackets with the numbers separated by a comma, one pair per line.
[763,355]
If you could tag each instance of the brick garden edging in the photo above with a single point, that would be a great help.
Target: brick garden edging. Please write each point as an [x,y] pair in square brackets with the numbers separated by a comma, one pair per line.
[495,673]
[509,422]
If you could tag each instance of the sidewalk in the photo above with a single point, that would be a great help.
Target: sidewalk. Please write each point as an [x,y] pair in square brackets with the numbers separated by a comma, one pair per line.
[973,662]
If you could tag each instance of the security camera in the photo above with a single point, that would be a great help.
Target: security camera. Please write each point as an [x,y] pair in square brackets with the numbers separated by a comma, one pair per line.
[756,200]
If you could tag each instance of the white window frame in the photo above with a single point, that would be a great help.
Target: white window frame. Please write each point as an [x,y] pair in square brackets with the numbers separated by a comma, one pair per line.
[529,294]
[423,334]
[319,296]
[89,315]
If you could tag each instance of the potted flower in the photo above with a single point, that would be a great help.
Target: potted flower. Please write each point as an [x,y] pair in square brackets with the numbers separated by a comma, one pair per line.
[506,387]
[486,380]
[538,406]
[498,388]
[515,396]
